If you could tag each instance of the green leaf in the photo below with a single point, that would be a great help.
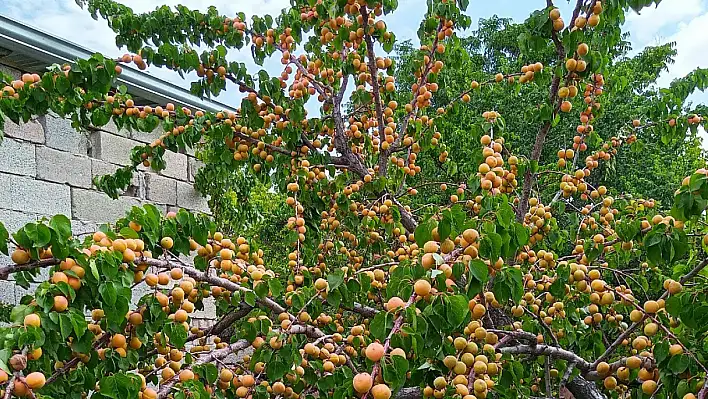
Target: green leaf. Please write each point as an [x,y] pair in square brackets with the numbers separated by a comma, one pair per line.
[108,293]
[444,228]
[127,232]
[65,325]
[424,232]
[62,225]
[18,313]
[558,287]
[458,309]
[261,289]
[276,287]
[679,363]
[39,234]
[479,270]
[335,279]
[4,236]
[394,371]
[490,247]
[250,298]
[176,333]
[661,351]
[210,372]
[382,322]
[505,214]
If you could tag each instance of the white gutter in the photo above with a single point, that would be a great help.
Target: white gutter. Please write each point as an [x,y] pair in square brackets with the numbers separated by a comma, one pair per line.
[44,47]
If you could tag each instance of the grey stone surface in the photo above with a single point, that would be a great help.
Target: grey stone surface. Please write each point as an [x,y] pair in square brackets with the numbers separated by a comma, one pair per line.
[97,207]
[139,291]
[17,157]
[111,127]
[31,131]
[34,196]
[16,74]
[61,136]
[100,168]
[209,311]
[176,165]
[79,227]
[147,137]
[15,220]
[111,148]
[7,292]
[161,190]
[63,167]
[193,165]
[188,197]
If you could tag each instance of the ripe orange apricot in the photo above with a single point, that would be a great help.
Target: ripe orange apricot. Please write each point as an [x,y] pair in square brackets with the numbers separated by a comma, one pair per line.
[186,375]
[118,341]
[375,351]
[20,256]
[362,382]
[149,393]
[20,389]
[167,242]
[649,386]
[60,303]
[394,303]
[32,319]
[35,380]
[181,316]
[135,319]
[35,354]
[381,391]
[422,288]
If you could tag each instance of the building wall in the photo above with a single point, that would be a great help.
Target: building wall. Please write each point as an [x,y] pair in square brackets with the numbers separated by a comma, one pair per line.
[47,168]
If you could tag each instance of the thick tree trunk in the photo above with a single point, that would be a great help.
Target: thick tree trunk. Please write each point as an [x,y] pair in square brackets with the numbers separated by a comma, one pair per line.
[584,389]
[409,393]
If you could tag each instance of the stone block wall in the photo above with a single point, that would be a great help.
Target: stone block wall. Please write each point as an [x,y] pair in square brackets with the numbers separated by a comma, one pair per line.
[47,168]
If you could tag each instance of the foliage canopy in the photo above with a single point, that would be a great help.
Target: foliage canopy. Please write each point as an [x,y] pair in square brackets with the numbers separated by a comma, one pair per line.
[449,229]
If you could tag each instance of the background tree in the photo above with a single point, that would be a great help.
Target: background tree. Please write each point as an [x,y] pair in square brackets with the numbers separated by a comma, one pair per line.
[524,282]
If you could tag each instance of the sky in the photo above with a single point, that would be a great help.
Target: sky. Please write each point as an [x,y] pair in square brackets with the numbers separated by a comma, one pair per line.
[680,21]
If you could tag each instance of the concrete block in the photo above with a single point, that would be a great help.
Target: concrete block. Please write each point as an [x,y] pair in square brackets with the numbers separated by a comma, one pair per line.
[61,136]
[17,157]
[188,197]
[63,167]
[16,74]
[80,227]
[15,220]
[111,127]
[31,131]
[176,165]
[7,292]
[147,137]
[161,190]
[34,196]
[193,166]
[97,207]
[140,291]
[100,168]
[209,311]
[111,148]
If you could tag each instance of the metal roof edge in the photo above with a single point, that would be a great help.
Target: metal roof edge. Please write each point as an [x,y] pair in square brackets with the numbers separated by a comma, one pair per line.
[45,47]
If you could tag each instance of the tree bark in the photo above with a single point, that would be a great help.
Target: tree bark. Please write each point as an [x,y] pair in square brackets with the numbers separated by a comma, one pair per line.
[409,393]
[584,389]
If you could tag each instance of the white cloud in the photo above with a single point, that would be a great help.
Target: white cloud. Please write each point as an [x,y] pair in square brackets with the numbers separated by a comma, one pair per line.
[682,22]
[652,21]
[691,44]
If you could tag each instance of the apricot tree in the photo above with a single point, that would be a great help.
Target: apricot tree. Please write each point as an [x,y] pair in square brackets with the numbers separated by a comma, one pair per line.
[502,291]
